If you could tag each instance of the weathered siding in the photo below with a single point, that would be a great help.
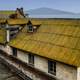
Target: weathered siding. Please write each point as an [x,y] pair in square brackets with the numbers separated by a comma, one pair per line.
[41,63]
[65,72]
[22,56]
[1,47]
[6,49]
[78,73]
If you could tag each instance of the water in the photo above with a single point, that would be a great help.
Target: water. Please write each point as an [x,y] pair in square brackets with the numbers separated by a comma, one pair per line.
[74,16]
[5,74]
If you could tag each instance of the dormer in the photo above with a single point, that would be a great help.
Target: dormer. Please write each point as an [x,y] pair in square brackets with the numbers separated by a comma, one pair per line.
[32,28]
[29,26]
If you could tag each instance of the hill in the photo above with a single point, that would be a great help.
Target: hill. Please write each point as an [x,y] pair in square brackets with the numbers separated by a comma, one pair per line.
[47,11]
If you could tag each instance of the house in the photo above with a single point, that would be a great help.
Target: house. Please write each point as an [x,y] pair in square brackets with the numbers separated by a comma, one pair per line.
[52,51]
[19,13]
[8,30]
[4,14]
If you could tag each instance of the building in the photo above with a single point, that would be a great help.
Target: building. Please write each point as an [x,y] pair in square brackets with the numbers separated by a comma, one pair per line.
[8,30]
[51,52]
[19,13]
[6,14]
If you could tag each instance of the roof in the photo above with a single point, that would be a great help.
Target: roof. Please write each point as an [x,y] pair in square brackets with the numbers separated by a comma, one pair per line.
[17,21]
[14,21]
[2,36]
[2,20]
[57,40]
[5,14]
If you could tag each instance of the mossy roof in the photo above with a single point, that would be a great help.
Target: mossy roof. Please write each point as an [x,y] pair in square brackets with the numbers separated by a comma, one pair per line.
[17,21]
[54,41]
[2,36]
[2,21]
[5,14]
[14,21]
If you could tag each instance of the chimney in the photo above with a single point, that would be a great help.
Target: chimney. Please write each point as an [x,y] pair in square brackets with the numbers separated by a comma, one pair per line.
[21,9]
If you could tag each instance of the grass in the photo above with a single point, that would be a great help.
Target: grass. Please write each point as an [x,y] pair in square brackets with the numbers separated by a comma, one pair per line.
[6,12]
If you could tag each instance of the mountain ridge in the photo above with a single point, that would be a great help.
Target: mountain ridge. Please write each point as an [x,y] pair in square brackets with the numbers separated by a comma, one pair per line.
[47,11]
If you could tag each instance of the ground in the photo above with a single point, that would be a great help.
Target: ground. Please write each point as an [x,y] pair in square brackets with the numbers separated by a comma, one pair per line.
[5,73]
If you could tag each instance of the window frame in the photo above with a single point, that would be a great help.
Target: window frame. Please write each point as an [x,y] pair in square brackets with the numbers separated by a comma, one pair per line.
[14,52]
[31,59]
[52,67]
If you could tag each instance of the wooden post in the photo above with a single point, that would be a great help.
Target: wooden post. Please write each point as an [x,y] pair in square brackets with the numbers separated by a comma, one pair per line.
[8,33]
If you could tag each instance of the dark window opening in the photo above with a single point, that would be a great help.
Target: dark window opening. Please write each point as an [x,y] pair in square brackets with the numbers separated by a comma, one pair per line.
[13,32]
[12,36]
[14,52]
[52,67]
[2,25]
[31,59]
[29,26]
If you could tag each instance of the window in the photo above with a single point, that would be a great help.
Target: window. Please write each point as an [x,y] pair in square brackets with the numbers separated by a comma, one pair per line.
[14,52]
[30,26]
[31,59]
[52,67]
[2,25]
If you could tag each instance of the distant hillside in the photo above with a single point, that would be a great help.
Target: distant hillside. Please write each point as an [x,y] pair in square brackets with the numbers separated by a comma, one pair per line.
[47,11]
[6,12]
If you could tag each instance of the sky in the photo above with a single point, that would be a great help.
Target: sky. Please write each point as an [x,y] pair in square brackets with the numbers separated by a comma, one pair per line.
[65,5]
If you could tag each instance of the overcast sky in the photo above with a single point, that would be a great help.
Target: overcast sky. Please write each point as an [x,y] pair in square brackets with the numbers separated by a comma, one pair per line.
[66,5]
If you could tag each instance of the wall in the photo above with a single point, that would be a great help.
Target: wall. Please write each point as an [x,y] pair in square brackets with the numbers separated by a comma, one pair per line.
[6,49]
[22,56]
[41,63]
[65,72]
[1,47]
[78,73]
[37,60]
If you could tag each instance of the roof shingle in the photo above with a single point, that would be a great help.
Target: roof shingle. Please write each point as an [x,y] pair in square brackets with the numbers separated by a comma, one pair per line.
[54,41]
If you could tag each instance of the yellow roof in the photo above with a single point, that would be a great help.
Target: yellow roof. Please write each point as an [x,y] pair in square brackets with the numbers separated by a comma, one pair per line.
[54,41]
[2,20]
[17,21]
[14,21]
[2,36]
